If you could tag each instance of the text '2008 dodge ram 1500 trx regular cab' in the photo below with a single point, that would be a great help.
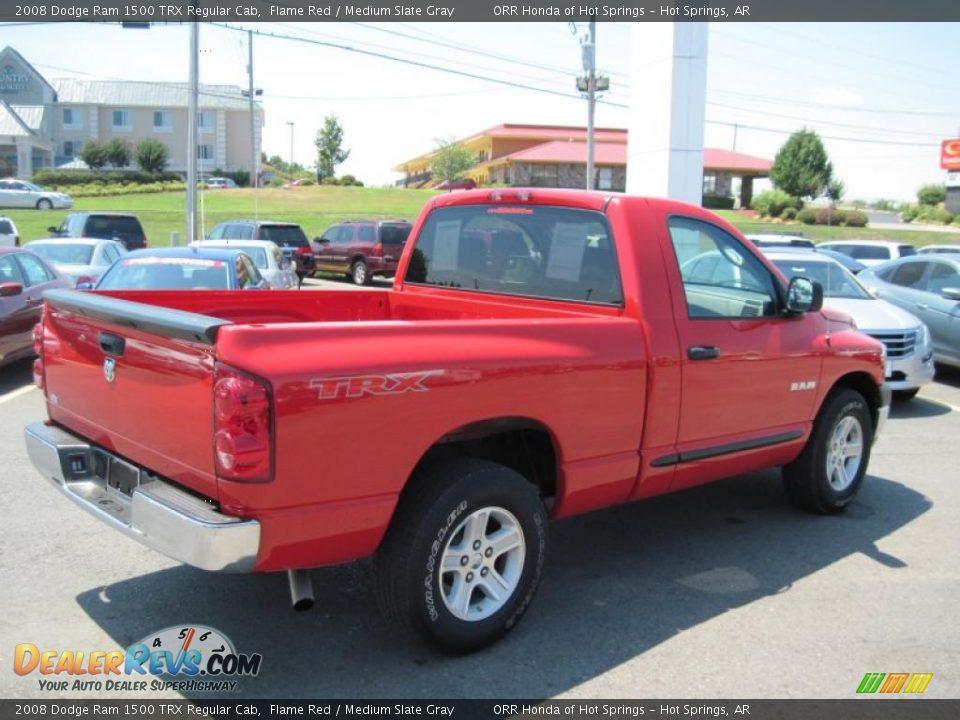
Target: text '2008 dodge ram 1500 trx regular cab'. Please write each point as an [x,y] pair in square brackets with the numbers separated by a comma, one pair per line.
[540,354]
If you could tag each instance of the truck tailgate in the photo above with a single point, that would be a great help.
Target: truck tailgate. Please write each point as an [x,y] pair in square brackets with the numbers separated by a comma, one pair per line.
[135,379]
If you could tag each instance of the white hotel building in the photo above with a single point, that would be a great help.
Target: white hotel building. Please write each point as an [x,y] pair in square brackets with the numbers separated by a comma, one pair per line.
[45,123]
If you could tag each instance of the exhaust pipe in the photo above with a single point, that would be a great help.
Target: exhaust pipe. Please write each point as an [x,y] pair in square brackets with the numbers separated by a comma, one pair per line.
[301,589]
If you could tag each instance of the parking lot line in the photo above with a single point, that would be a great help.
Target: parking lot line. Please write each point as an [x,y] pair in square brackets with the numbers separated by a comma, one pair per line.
[16,393]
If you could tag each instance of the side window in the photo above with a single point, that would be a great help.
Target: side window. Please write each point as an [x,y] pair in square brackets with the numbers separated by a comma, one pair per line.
[244,232]
[216,233]
[111,253]
[36,273]
[344,235]
[365,233]
[331,234]
[909,275]
[721,278]
[10,270]
[941,277]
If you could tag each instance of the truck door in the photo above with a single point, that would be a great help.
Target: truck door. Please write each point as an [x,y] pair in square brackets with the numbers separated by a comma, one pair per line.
[749,373]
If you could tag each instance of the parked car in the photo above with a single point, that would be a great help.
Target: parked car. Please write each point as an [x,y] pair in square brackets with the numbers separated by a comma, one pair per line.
[870,252]
[437,426]
[456,184]
[763,240]
[289,237]
[938,249]
[9,236]
[220,183]
[183,269]
[929,287]
[24,277]
[275,267]
[848,262]
[83,260]
[16,193]
[909,346]
[122,227]
[362,249]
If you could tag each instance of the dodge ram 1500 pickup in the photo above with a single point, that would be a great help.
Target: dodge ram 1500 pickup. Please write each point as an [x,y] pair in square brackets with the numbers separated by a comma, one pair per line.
[540,354]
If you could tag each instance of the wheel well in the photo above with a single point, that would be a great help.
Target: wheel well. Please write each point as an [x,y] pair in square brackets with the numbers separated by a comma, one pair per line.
[520,444]
[866,386]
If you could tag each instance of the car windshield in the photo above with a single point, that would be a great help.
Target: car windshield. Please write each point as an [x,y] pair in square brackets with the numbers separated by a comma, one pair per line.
[32,187]
[284,235]
[836,280]
[64,254]
[166,273]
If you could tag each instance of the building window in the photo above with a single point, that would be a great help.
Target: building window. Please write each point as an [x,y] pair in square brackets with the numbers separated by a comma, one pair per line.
[71,118]
[544,176]
[605,179]
[205,121]
[71,148]
[162,121]
[205,152]
[121,120]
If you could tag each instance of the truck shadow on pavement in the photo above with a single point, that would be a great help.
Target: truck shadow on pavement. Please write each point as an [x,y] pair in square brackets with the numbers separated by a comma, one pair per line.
[16,375]
[618,583]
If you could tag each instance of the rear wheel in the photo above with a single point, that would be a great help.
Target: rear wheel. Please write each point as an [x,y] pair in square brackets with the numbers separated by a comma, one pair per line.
[44,204]
[829,472]
[360,273]
[464,554]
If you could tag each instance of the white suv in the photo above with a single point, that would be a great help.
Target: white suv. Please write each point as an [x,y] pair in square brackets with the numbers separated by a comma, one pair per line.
[9,237]
[870,252]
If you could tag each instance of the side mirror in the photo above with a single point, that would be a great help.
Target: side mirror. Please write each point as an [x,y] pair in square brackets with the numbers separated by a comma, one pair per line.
[951,293]
[322,240]
[55,231]
[84,285]
[10,289]
[804,295]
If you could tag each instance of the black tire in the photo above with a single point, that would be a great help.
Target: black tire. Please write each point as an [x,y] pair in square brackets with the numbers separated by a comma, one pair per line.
[905,395]
[360,273]
[44,204]
[433,517]
[810,482]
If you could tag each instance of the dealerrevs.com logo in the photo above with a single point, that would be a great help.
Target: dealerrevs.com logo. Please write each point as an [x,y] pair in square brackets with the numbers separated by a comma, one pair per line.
[183,658]
[894,683]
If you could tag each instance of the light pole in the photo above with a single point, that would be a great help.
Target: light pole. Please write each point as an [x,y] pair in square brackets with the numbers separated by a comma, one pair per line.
[290,123]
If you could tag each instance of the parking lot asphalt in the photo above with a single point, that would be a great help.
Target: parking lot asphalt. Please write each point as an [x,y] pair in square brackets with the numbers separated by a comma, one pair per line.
[723,591]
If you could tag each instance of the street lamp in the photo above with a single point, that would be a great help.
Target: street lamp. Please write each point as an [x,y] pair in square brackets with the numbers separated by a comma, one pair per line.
[290,123]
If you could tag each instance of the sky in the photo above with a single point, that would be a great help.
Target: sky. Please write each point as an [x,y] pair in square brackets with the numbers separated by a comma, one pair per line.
[881,96]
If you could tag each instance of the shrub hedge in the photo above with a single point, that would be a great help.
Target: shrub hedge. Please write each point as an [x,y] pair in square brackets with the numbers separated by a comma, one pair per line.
[718,202]
[50,176]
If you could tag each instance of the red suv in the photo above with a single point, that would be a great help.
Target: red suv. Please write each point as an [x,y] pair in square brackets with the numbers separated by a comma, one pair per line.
[362,248]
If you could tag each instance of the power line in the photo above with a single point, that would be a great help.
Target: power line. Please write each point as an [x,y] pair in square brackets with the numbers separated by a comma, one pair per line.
[834,106]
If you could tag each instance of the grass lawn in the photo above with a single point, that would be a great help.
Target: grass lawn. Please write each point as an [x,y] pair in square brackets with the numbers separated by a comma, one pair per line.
[314,207]
[317,207]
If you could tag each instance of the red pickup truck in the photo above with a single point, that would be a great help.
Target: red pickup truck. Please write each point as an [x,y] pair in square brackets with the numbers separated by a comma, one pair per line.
[541,354]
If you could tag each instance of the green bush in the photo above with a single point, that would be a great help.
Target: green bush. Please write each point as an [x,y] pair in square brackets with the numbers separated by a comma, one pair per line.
[909,213]
[934,214]
[789,213]
[331,181]
[830,216]
[855,218]
[718,202]
[50,176]
[773,202]
[276,182]
[956,220]
[884,204]
[807,216]
[932,194]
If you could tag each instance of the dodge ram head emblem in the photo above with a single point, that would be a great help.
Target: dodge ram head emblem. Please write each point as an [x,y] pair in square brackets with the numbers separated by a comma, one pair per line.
[110,369]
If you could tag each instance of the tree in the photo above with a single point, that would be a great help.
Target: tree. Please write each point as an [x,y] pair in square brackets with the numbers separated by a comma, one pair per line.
[329,142]
[94,154]
[151,155]
[118,152]
[836,189]
[932,194]
[801,166]
[450,160]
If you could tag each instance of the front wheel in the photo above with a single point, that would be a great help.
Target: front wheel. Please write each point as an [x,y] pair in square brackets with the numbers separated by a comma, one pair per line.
[44,204]
[830,470]
[360,273]
[464,554]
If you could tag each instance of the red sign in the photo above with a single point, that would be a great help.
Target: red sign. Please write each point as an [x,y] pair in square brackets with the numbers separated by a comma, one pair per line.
[950,154]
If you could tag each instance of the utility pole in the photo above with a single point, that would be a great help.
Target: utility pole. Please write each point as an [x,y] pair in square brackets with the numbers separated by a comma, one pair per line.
[736,127]
[254,160]
[192,103]
[590,84]
[290,123]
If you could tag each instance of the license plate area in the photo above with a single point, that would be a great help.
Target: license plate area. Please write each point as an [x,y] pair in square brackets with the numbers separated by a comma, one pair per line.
[99,468]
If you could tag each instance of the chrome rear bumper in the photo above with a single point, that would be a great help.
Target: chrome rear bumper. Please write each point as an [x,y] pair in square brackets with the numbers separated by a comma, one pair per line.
[146,508]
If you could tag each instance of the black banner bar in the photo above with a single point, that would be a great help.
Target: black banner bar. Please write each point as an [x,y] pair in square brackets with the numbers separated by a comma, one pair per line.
[872,708]
[135,13]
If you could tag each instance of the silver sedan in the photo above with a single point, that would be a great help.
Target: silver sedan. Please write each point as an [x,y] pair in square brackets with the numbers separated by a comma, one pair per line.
[16,193]
[274,266]
[84,260]
[929,287]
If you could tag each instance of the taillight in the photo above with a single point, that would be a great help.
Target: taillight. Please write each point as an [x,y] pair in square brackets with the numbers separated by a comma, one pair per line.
[304,250]
[88,279]
[378,250]
[243,427]
[38,349]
